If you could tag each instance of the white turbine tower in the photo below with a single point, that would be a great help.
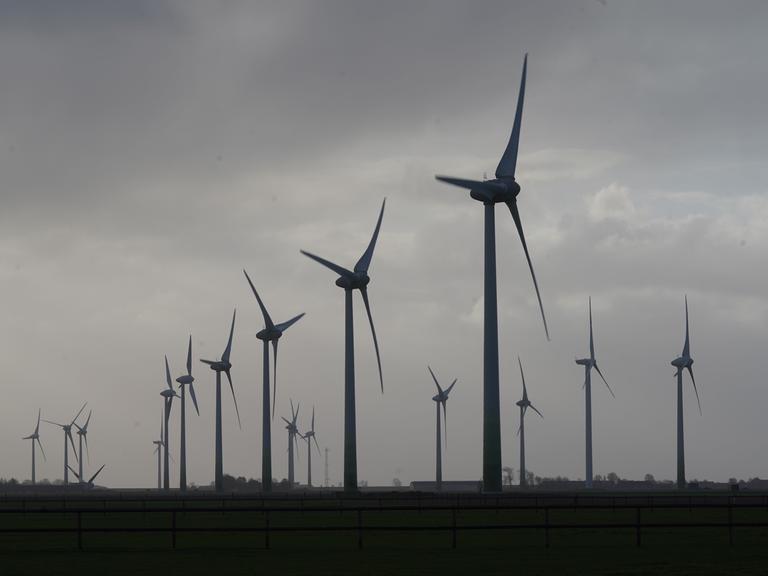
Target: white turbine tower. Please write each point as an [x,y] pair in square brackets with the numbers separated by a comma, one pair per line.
[683,362]
[35,437]
[440,399]
[502,189]
[271,333]
[353,280]
[589,364]
[524,404]
[67,428]
[293,431]
[219,366]
[309,436]
[184,381]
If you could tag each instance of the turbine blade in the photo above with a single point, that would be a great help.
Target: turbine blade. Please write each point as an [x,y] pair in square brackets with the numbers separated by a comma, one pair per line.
[234,398]
[522,376]
[274,377]
[604,380]
[189,356]
[536,410]
[194,399]
[97,473]
[516,217]
[37,428]
[364,292]
[506,167]
[54,423]
[285,420]
[448,390]
[72,442]
[365,260]
[316,444]
[440,390]
[87,420]
[687,347]
[264,313]
[487,190]
[79,412]
[283,326]
[41,447]
[209,362]
[168,374]
[328,264]
[591,339]
[690,371]
[313,418]
[445,422]
[228,349]
[73,471]
[87,450]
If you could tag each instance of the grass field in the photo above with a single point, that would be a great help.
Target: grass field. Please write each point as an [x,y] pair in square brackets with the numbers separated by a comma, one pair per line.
[327,541]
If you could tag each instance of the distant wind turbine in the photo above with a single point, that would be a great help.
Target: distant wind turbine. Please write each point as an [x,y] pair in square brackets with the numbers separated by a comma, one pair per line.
[309,436]
[502,189]
[683,362]
[219,366]
[168,395]
[185,380]
[293,431]
[67,428]
[440,399]
[271,333]
[89,482]
[589,364]
[82,434]
[524,404]
[349,281]
[35,437]
[158,450]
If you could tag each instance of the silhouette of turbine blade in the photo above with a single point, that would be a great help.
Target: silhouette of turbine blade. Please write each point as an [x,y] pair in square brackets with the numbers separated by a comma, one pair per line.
[316,444]
[189,356]
[365,260]
[87,451]
[448,390]
[439,390]
[37,427]
[487,190]
[97,473]
[313,419]
[79,412]
[604,380]
[445,421]
[228,349]
[168,375]
[328,264]
[209,362]
[54,423]
[364,292]
[72,442]
[264,313]
[41,447]
[519,225]
[506,167]
[283,326]
[234,398]
[274,377]
[690,371]
[194,399]
[591,338]
[687,346]
[536,410]
[73,472]
[522,377]
[285,420]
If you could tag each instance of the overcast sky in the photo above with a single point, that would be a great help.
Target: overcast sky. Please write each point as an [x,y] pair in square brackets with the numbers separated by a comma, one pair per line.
[149,150]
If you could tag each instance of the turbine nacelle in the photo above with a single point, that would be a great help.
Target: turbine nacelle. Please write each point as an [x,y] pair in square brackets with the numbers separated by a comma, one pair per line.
[169,394]
[218,365]
[586,362]
[185,379]
[354,281]
[269,334]
[682,362]
[499,190]
[523,403]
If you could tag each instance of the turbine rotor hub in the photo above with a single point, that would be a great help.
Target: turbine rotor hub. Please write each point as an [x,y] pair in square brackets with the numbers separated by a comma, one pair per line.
[269,334]
[357,281]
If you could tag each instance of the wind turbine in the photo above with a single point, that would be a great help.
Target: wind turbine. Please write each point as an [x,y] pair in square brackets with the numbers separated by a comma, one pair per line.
[309,436]
[219,366]
[350,281]
[504,189]
[271,333]
[158,445]
[185,380]
[524,405]
[293,431]
[441,398]
[67,428]
[82,434]
[89,483]
[588,364]
[35,437]
[683,362]
[168,395]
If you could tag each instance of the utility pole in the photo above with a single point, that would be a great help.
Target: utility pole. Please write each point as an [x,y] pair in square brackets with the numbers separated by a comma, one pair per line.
[327,480]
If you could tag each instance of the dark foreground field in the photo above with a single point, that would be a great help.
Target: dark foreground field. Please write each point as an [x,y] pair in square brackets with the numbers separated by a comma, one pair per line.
[385,534]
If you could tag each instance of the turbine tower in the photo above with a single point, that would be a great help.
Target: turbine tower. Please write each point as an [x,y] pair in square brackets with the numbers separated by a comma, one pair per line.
[441,398]
[82,434]
[219,366]
[504,189]
[293,431]
[588,364]
[350,281]
[309,436]
[683,362]
[271,333]
[158,446]
[524,405]
[35,437]
[168,395]
[185,380]
[67,428]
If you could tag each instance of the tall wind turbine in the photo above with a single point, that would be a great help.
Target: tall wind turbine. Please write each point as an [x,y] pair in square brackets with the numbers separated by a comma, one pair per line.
[524,405]
[35,437]
[158,450]
[309,436]
[504,189]
[271,333]
[350,281]
[441,398]
[588,364]
[168,395]
[185,380]
[293,431]
[683,362]
[219,366]
[67,428]
[82,434]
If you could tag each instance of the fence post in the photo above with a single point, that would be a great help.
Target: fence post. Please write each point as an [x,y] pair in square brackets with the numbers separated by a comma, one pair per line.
[637,526]
[453,529]
[266,532]
[546,527]
[359,529]
[79,530]
[173,529]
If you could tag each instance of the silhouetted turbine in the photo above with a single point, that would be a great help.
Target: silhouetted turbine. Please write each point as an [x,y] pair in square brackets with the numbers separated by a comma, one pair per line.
[502,189]
[185,380]
[67,428]
[35,437]
[349,281]
[309,436]
[158,450]
[271,333]
[293,431]
[82,434]
[168,395]
[524,404]
[440,399]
